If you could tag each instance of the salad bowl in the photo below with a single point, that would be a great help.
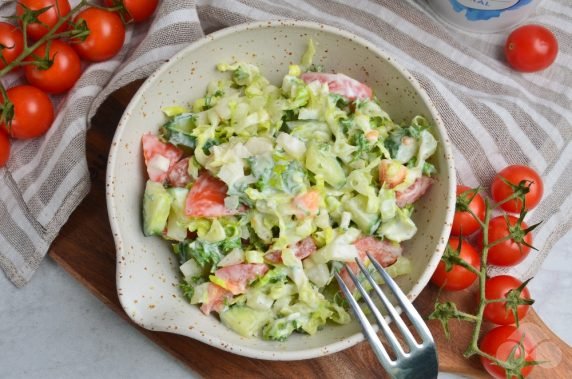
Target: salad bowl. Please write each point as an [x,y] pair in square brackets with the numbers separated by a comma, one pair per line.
[147,271]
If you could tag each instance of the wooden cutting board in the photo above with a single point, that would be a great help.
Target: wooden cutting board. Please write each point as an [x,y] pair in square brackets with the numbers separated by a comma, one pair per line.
[86,250]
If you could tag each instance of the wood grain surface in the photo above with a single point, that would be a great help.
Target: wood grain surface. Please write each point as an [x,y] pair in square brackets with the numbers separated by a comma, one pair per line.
[85,249]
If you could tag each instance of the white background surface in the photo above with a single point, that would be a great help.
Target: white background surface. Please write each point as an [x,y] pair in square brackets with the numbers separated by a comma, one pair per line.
[55,328]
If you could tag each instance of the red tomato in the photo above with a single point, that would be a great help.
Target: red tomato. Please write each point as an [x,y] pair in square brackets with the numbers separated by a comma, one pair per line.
[216,297]
[515,174]
[499,343]
[48,19]
[497,288]
[511,251]
[13,41]
[160,157]
[464,223]
[235,278]
[414,192]
[384,252]
[4,148]
[531,48]
[136,10]
[63,72]
[340,84]
[106,34]
[206,198]
[178,175]
[303,249]
[33,112]
[458,277]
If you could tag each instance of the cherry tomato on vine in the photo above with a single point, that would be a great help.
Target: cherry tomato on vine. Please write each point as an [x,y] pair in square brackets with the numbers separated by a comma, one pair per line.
[11,43]
[498,287]
[136,10]
[33,112]
[500,342]
[516,174]
[531,48]
[458,277]
[511,251]
[4,148]
[61,74]
[106,34]
[47,19]
[464,223]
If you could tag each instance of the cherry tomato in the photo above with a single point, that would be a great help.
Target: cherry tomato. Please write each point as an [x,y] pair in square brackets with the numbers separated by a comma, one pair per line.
[500,343]
[340,84]
[106,34]
[531,48]
[136,10]
[497,288]
[33,112]
[511,251]
[458,277]
[63,72]
[4,148]
[13,41]
[515,174]
[464,223]
[48,19]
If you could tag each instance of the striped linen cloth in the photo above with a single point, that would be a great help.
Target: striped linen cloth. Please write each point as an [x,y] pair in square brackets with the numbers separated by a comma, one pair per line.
[494,116]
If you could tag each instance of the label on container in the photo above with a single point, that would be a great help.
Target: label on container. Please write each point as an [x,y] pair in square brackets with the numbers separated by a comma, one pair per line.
[476,10]
[488,4]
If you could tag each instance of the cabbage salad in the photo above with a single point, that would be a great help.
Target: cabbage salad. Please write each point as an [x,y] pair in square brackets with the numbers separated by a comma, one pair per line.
[265,191]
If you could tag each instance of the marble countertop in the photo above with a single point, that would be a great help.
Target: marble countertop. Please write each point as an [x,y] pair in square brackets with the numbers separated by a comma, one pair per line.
[55,328]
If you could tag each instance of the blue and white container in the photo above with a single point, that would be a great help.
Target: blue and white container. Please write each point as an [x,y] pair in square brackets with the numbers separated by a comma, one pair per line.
[483,16]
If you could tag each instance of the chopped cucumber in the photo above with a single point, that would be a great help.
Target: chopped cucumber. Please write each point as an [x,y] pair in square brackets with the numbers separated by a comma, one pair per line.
[244,320]
[156,208]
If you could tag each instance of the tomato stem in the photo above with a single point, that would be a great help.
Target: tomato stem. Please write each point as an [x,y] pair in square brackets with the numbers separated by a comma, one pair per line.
[499,300]
[467,266]
[513,196]
[467,316]
[482,275]
[499,241]
[481,223]
[50,35]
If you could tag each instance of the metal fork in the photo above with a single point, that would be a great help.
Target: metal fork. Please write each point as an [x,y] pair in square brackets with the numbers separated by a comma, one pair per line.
[421,359]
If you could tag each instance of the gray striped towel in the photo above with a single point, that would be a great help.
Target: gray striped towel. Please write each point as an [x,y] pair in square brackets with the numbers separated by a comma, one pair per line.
[494,115]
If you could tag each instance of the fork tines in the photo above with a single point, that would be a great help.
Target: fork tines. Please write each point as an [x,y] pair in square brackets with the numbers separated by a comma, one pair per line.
[420,361]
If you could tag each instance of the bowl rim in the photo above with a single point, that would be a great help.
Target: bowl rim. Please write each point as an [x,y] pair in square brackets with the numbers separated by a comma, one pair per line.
[244,350]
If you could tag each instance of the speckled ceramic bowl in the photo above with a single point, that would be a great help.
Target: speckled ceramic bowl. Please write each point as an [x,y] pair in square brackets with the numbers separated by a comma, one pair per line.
[147,273]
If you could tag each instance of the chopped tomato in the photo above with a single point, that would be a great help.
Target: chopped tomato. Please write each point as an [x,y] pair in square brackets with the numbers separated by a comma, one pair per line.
[302,249]
[307,204]
[216,296]
[384,252]
[414,191]
[179,176]
[159,157]
[237,277]
[206,198]
[340,84]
